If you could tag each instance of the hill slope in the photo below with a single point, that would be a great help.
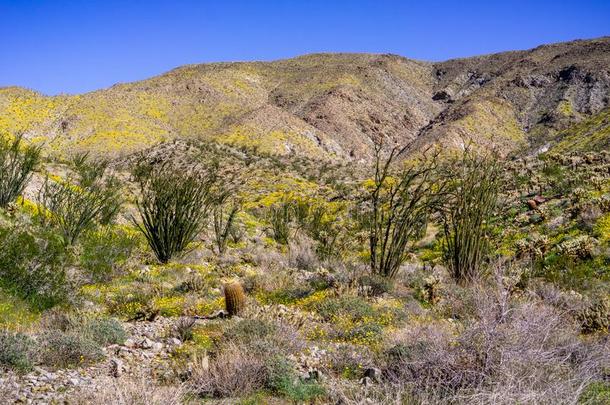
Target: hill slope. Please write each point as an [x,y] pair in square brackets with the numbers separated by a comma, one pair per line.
[332,105]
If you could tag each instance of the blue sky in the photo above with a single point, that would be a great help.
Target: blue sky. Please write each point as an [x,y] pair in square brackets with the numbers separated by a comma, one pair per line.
[78,46]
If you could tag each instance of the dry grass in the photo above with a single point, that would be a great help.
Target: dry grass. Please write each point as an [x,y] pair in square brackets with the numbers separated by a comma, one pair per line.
[129,391]
[233,372]
[511,350]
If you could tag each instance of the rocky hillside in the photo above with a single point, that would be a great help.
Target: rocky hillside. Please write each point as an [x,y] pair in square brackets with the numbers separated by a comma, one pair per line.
[332,105]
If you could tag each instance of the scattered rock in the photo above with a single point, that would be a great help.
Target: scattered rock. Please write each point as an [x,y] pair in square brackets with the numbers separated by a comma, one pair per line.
[366,381]
[373,373]
[175,342]
[117,367]
[130,343]
[146,343]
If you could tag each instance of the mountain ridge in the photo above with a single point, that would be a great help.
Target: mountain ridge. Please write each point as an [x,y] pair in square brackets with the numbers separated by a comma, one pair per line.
[331,105]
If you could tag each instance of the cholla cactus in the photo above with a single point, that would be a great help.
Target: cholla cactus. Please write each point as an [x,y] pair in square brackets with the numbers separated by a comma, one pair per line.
[603,202]
[596,316]
[580,247]
[430,289]
[578,194]
[535,246]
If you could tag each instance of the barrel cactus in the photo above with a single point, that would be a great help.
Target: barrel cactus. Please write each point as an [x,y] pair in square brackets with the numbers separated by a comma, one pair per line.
[235,298]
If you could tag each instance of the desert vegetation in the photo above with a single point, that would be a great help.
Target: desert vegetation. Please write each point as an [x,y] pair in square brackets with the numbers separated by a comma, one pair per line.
[460,277]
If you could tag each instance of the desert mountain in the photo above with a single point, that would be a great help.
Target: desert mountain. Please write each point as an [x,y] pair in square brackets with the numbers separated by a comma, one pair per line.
[333,105]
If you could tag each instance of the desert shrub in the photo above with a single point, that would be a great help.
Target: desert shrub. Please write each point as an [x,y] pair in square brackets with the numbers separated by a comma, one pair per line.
[355,308]
[128,391]
[287,295]
[509,352]
[374,285]
[283,380]
[17,163]
[173,206]
[105,331]
[322,222]
[183,328]
[301,254]
[354,320]
[396,208]
[105,251]
[351,393]
[473,188]
[61,349]
[348,360]
[597,392]
[233,372]
[595,316]
[263,337]
[17,351]
[249,329]
[80,202]
[32,264]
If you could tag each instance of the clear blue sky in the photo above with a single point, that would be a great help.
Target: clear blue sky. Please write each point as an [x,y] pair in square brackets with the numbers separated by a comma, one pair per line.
[78,46]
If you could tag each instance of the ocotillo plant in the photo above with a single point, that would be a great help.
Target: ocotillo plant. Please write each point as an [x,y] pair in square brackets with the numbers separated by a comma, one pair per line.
[224,221]
[473,193]
[17,162]
[395,211]
[173,206]
[79,202]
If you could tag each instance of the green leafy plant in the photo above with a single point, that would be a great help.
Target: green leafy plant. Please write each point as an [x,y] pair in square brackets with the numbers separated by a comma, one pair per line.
[105,331]
[105,251]
[17,163]
[61,349]
[283,380]
[16,351]
[32,264]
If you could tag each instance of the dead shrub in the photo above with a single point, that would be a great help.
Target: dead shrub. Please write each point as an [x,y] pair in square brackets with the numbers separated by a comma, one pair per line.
[302,254]
[128,391]
[510,351]
[233,372]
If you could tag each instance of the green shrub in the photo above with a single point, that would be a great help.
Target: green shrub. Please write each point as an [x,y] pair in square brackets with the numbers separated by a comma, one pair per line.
[375,285]
[249,329]
[354,308]
[173,206]
[263,338]
[105,331]
[597,392]
[16,351]
[104,251]
[32,264]
[288,295]
[282,379]
[61,349]
[17,163]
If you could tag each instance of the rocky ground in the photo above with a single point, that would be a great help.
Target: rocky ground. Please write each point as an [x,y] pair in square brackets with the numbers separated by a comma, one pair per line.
[145,353]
